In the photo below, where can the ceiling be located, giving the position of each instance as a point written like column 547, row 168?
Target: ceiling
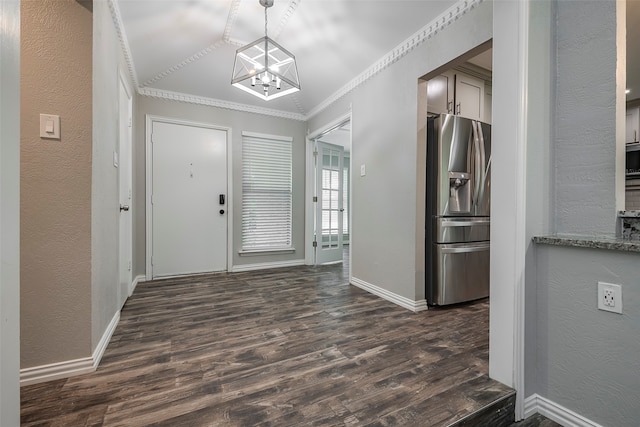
column 188, row 46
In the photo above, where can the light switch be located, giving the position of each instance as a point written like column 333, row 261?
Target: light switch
column 363, row 170
column 49, row 126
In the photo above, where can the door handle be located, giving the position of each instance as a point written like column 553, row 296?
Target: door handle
column 124, row 208
column 221, row 211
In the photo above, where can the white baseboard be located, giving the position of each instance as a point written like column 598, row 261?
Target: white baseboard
column 69, row 368
column 139, row 279
column 265, row 265
column 104, row 341
column 405, row 302
column 543, row 406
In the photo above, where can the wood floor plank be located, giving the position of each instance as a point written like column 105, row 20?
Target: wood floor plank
column 284, row 347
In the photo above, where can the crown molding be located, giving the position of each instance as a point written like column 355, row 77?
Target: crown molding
column 124, row 42
column 441, row 22
column 293, row 5
column 212, row 102
column 231, row 19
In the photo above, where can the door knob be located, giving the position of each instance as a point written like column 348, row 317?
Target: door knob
column 124, row 208
column 221, row 211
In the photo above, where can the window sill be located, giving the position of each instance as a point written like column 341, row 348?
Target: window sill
column 258, row 252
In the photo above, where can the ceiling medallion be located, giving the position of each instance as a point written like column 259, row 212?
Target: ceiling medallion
column 264, row 68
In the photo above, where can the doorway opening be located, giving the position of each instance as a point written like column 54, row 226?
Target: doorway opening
column 331, row 189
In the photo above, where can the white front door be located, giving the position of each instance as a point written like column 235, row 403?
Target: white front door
column 329, row 183
column 188, row 199
column 124, row 170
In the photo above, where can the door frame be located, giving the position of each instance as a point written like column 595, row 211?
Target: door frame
column 129, row 129
column 310, row 187
column 149, row 120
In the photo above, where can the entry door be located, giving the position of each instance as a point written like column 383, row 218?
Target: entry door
column 124, row 169
column 189, row 206
column 329, row 183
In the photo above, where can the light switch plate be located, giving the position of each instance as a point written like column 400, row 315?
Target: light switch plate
column 49, row 126
column 363, row 170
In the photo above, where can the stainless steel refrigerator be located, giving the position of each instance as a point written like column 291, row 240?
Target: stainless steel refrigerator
column 458, row 209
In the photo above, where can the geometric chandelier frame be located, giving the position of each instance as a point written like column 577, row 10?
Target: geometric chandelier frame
column 264, row 68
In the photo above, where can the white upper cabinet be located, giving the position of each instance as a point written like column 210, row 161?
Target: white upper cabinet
column 454, row 92
column 469, row 100
column 633, row 125
column 440, row 93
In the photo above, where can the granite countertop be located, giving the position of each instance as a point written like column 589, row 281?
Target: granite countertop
column 593, row 242
column 628, row 214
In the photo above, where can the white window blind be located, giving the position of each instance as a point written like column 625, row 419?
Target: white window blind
column 266, row 192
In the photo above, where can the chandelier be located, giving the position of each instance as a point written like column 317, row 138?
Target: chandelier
column 264, row 68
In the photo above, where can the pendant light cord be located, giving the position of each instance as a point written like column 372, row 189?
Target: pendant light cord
column 265, row 21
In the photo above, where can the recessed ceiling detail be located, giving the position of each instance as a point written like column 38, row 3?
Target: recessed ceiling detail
column 340, row 43
column 183, row 63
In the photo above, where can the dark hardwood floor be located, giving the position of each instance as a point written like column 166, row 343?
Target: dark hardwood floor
column 282, row 347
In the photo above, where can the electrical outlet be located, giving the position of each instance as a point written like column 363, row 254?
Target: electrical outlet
column 610, row 297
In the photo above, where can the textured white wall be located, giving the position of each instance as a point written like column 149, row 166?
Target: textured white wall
column 539, row 174
column 10, row 213
column 55, row 179
column 104, row 189
column 586, row 118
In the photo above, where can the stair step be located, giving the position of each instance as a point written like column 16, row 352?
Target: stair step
column 499, row 413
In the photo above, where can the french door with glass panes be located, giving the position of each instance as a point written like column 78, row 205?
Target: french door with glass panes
column 329, row 206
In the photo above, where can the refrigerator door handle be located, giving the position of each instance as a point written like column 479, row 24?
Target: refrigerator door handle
column 485, row 170
column 464, row 223
column 465, row 248
column 478, row 166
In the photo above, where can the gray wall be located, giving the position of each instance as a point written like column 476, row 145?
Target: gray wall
column 577, row 356
column 69, row 200
column 238, row 122
column 10, row 213
column 384, row 138
column 588, row 359
column 55, row 179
